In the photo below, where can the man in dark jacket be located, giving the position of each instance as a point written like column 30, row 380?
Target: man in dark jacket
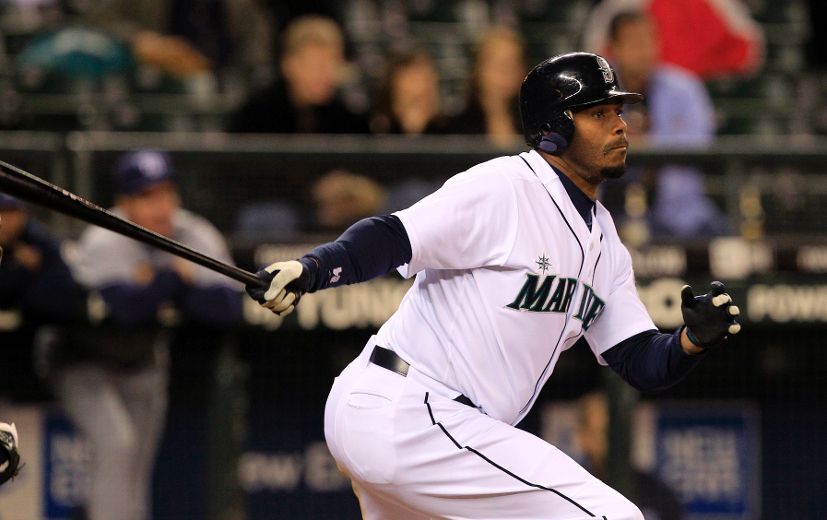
column 32, row 273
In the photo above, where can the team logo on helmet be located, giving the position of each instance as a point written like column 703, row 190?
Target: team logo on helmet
column 603, row 65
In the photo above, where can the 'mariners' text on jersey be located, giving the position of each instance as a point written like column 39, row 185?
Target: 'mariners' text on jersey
column 553, row 294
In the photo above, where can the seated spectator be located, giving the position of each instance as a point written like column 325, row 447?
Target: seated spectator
column 492, row 103
column 88, row 64
column 409, row 96
column 341, row 198
column 676, row 111
column 185, row 39
column 337, row 199
column 304, row 99
column 711, row 38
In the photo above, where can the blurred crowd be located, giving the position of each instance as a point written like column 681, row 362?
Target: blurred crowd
column 373, row 67
column 323, row 67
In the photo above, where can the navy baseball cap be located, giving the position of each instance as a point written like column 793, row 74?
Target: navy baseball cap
column 9, row 202
column 138, row 171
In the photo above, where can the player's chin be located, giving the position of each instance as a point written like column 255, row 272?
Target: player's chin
column 613, row 172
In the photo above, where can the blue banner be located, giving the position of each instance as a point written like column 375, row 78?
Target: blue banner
column 66, row 462
column 710, row 455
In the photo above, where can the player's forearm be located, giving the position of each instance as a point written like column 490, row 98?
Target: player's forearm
column 651, row 360
column 369, row 248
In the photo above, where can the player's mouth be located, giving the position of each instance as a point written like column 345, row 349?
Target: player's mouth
column 623, row 146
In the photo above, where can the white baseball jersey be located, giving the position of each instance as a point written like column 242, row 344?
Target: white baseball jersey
column 509, row 276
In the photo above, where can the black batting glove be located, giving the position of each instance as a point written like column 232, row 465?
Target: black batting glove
column 709, row 318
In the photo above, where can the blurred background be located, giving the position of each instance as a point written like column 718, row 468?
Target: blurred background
column 284, row 122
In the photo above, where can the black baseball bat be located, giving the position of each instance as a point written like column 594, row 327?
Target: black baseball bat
column 31, row 188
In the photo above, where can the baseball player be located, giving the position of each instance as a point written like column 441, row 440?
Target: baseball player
column 514, row 262
column 113, row 384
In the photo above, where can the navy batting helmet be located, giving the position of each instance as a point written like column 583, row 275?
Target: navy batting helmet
column 558, row 85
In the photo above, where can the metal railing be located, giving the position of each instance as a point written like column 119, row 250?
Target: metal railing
column 767, row 187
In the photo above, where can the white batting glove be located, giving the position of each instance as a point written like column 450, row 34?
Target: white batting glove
column 279, row 298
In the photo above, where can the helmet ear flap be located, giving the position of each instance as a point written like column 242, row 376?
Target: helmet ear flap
column 556, row 135
column 553, row 143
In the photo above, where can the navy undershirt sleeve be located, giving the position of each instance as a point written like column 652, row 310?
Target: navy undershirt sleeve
column 369, row 248
column 651, row 360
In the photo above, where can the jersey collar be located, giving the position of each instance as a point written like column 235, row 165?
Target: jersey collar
column 582, row 203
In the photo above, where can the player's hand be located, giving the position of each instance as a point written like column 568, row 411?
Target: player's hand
column 709, row 318
column 283, row 294
column 9, row 456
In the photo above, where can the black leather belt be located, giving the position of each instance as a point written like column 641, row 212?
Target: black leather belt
column 389, row 360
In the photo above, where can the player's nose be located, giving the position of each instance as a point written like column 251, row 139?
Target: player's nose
column 620, row 126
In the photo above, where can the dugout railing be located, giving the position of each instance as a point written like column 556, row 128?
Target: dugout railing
column 776, row 180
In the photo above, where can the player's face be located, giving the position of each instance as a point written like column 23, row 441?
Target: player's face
column 153, row 208
column 599, row 146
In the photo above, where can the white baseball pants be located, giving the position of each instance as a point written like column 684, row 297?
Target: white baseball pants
column 412, row 452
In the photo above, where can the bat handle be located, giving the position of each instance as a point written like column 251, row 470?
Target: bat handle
column 236, row 273
column 260, row 283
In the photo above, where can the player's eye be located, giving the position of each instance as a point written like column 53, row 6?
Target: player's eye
column 598, row 115
column 619, row 112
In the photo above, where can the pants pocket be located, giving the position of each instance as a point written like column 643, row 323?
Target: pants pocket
column 367, row 437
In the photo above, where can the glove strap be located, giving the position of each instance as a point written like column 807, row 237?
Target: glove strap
column 693, row 338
